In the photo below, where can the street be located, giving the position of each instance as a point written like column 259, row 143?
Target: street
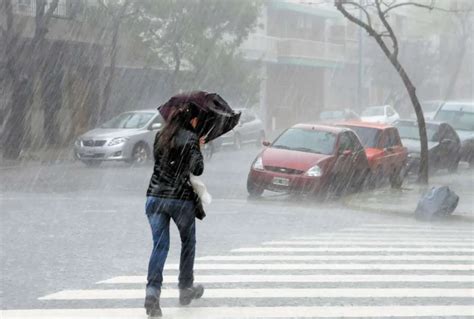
column 75, row 242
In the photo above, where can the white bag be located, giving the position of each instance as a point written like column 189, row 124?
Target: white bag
column 200, row 189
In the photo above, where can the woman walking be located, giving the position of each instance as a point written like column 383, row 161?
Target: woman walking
column 171, row 196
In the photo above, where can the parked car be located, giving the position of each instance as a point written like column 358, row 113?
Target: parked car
column 338, row 115
column 249, row 130
column 430, row 108
column 381, row 114
column 443, row 145
column 386, row 154
column 460, row 115
column 127, row 137
column 309, row 158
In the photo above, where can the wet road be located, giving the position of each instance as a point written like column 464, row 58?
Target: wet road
column 66, row 228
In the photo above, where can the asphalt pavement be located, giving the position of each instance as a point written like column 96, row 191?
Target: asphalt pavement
column 75, row 243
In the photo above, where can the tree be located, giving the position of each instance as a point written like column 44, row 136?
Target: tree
column 24, row 63
column 190, row 38
column 117, row 12
column 385, row 37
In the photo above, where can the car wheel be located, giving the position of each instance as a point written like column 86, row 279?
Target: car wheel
column 260, row 139
column 254, row 190
column 140, row 154
column 237, row 142
column 91, row 163
column 375, row 179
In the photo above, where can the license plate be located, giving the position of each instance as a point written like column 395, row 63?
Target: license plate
column 281, row 181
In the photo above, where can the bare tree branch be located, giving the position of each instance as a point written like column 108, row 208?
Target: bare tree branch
column 420, row 5
column 367, row 27
column 362, row 8
column 391, row 34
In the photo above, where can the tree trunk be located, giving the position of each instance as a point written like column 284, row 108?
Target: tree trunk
column 423, row 172
column 110, row 74
column 113, row 61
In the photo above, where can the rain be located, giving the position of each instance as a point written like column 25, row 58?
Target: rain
column 236, row 158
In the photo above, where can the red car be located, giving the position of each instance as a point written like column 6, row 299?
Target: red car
column 309, row 158
column 385, row 152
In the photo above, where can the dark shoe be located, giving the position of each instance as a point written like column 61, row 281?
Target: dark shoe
column 188, row 294
column 152, row 306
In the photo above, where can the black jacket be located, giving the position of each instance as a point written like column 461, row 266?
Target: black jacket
column 173, row 166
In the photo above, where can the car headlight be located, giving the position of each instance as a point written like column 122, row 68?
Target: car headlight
column 258, row 165
column 314, row 171
column 78, row 142
column 117, row 141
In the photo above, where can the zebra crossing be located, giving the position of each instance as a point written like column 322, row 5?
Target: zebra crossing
column 371, row 271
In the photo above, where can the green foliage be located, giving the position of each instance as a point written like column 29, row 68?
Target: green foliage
column 198, row 41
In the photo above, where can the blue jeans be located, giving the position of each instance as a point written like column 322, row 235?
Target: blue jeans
column 159, row 211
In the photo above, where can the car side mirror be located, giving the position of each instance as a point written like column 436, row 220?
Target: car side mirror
column 346, row 153
column 266, row 143
column 156, row 126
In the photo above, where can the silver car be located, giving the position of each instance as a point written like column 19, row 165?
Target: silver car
column 249, row 130
column 128, row 137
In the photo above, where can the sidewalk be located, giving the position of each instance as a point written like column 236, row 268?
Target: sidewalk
column 41, row 157
column 404, row 201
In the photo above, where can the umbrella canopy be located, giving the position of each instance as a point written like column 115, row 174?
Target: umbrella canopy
column 216, row 116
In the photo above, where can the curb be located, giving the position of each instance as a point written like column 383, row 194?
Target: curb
column 349, row 203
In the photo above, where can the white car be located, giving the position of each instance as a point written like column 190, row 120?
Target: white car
column 128, row 137
column 380, row 114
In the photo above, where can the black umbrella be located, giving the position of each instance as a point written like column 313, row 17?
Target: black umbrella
column 216, row 116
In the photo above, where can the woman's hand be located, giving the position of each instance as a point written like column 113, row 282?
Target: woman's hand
column 202, row 141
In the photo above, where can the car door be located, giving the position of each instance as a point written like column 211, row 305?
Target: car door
column 345, row 156
column 394, row 152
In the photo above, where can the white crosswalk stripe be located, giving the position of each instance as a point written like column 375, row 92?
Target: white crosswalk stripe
column 372, row 271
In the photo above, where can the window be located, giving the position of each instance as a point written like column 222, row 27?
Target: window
column 355, row 144
column 391, row 138
column 390, row 111
column 305, row 140
column 370, row 137
column 158, row 119
column 373, row 111
column 345, row 143
column 129, row 120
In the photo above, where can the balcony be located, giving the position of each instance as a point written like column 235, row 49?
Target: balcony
column 284, row 50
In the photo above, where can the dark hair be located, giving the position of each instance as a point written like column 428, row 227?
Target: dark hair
column 179, row 118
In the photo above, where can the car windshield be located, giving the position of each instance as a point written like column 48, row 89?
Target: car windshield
column 459, row 120
column 129, row 120
column 304, row 140
column 409, row 130
column 374, row 111
column 331, row 115
column 368, row 136
column 430, row 106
